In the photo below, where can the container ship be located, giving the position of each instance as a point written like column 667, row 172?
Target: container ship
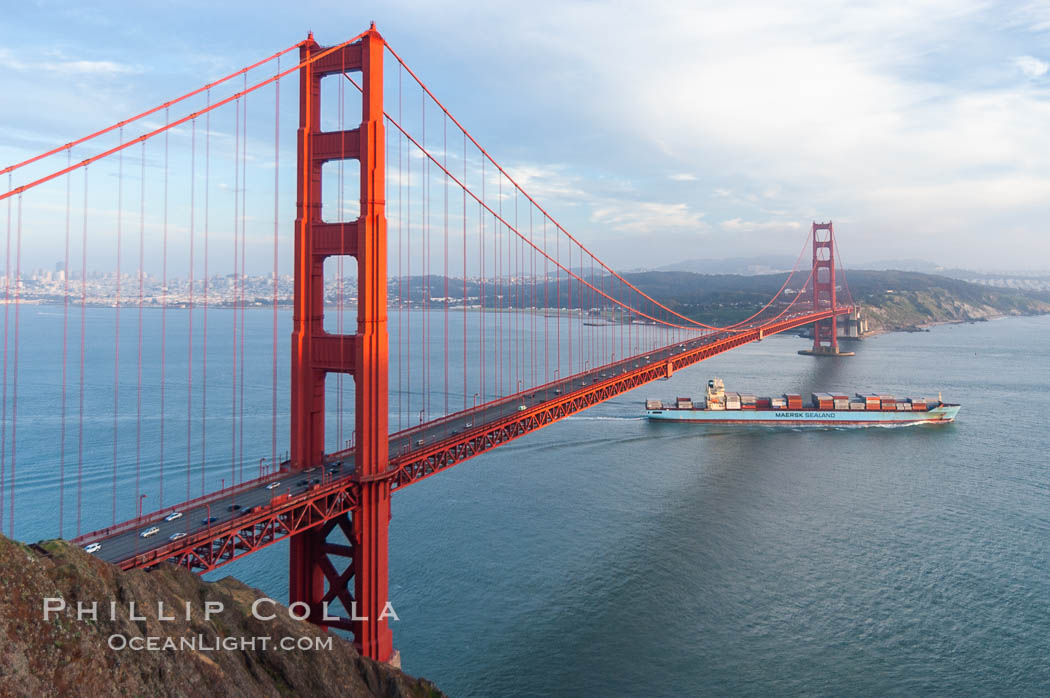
column 824, row 409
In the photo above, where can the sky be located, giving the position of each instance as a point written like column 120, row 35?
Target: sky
column 655, row 131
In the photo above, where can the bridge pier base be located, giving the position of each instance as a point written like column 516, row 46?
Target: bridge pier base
column 825, row 352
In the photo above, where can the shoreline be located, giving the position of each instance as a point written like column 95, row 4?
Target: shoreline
column 936, row 323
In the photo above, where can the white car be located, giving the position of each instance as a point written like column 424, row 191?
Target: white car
column 273, row 485
column 173, row 515
column 176, row 536
column 151, row 531
column 92, row 547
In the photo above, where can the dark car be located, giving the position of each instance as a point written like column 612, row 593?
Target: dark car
column 315, row 481
column 233, row 507
column 208, row 521
column 247, row 510
column 302, row 482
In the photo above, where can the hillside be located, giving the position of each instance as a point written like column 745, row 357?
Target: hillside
column 74, row 657
column 895, row 300
column 898, row 300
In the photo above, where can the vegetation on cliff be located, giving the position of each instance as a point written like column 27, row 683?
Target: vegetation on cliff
column 67, row 655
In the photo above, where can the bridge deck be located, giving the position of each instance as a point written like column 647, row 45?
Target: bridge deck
column 262, row 511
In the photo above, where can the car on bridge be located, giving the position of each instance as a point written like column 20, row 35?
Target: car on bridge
column 151, row 531
column 173, row 515
column 209, row 520
column 273, row 485
column 92, row 547
column 177, row 535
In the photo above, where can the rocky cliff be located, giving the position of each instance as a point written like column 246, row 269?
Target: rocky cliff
column 896, row 300
column 230, row 653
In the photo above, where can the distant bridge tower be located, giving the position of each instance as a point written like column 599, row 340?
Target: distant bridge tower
column 359, row 581
column 825, row 332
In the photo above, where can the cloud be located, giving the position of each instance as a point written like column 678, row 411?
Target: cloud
column 1031, row 66
column 685, row 177
column 737, row 225
column 834, row 110
column 548, row 182
column 647, row 217
column 71, row 67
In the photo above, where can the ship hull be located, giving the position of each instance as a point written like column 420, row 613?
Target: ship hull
column 941, row 414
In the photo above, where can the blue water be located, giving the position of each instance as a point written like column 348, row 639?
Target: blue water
column 606, row 555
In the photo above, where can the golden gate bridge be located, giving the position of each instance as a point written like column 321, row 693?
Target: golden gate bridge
column 477, row 319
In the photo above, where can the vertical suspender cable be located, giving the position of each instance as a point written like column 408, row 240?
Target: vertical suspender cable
column 138, row 367
column 408, row 278
column 65, row 353
column 7, row 306
column 572, row 325
column 244, row 274
column 532, row 305
column 276, row 220
column 497, row 253
column 14, row 379
column 163, row 309
column 444, row 151
column 189, row 310
column 424, row 210
column 400, row 252
column 466, row 362
column 204, row 293
column 116, row 320
column 83, row 344
column 236, row 261
column 481, row 255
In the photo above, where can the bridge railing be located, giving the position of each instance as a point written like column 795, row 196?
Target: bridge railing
column 152, row 516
